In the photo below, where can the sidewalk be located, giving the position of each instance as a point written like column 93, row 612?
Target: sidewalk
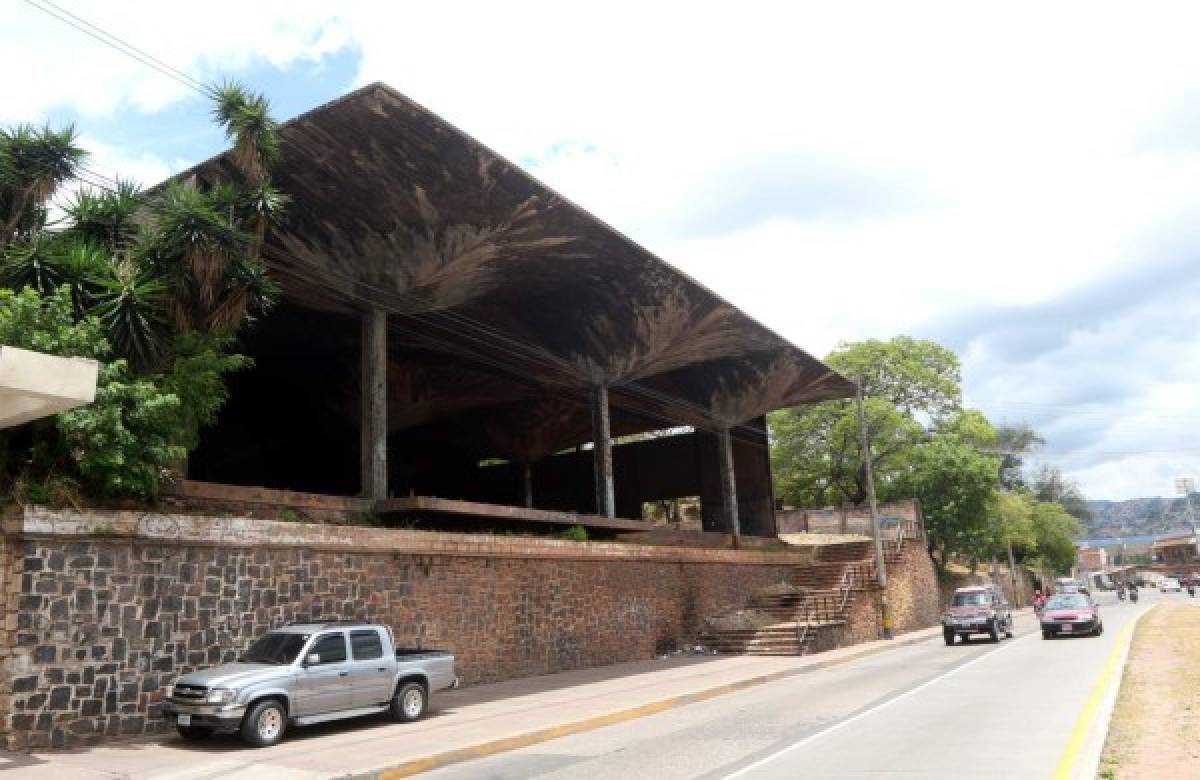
column 463, row 724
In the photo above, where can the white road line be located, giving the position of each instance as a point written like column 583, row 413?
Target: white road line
column 813, row 737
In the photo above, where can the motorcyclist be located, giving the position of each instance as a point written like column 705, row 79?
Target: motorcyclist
column 1133, row 592
column 1120, row 591
column 1039, row 601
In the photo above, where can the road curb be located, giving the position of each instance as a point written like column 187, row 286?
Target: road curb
column 1084, row 760
column 413, row 766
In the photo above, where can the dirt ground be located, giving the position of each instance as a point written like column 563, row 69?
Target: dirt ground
column 1155, row 729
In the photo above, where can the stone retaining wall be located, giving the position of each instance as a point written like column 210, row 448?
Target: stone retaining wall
column 913, row 601
column 102, row 609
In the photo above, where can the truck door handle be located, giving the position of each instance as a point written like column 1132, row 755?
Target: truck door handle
column 343, row 674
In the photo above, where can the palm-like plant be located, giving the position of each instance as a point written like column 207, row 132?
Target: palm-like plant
column 31, row 263
column 207, row 244
column 128, row 300
column 79, row 265
column 35, row 162
column 109, row 217
column 248, row 124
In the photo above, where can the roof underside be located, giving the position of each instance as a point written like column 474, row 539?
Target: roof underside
column 504, row 295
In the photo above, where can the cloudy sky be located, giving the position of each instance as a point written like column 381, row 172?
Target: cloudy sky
column 1018, row 181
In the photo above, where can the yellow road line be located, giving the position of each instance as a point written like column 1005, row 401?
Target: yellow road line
column 1070, row 754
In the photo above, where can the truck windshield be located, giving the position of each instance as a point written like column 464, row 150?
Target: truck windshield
column 280, row 648
column 976, row 599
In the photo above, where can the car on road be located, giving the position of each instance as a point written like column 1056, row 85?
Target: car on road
column 307, row 673
column 1169, row 585
column 979, row 609
column 1071, row 613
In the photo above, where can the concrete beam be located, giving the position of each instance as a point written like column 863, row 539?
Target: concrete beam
column 728, row 481
column 34, row 385
column 373, row 428
column 602, row 452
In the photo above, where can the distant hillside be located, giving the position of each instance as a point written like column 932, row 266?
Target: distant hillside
column 1139, row 516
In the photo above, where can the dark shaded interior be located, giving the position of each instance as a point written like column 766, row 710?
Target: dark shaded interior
column 506, row 305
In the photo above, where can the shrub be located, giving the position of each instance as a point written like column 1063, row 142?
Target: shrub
column 576, row 533
column 122, row 444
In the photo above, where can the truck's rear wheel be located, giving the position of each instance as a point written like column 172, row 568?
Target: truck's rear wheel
column 409, row 703
column 265, row 723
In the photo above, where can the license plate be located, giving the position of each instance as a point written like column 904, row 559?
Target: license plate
column 1066, row 629
column 185, row 720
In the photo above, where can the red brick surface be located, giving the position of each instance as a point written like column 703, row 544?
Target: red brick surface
column 104, row 608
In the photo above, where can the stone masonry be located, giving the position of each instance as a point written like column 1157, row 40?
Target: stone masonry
column 102, row 609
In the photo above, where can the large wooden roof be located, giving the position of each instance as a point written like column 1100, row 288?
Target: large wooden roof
column 504, row 293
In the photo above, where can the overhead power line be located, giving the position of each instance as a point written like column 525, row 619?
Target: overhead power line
column 118, row 43
column 459, row 324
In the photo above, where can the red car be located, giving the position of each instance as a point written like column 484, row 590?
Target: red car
column 1071, row 613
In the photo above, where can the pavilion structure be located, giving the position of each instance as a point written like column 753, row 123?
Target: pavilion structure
column 455, row 336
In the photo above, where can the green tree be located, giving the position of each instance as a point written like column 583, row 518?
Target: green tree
column 921, row 378
column 1056, row 532
column 119, row 445
column 1014, row 524
column 1013, row 444
column 908, row 383
column 956, row 486
column 1050, row 485
column 154, row 288
column 815, row 451
column 33, row 163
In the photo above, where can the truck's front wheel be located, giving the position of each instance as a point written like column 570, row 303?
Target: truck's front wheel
column 409, row 702
column 265, row 723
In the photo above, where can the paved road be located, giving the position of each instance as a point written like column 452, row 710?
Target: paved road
column 980, row 710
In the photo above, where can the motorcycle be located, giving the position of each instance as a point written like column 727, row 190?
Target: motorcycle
column 1133, row 596
column 1120, row 594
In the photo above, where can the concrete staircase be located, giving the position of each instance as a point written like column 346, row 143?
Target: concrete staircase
column 822, row 592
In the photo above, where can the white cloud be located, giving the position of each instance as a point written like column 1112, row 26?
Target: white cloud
column 52, row 66
column 838, row 170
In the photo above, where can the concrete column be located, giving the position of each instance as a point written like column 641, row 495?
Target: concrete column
column 527, row 470
column 373, row 427
column 602, row 451
column 728, row 481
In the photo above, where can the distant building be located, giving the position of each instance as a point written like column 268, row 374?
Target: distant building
column 1093, row 558
column 1175, row 548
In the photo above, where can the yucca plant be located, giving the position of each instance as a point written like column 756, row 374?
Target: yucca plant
column 129, row 301
column 35, row 161
column 247, row 120
column 107, row 217
column 79, row 266
column 31, row 263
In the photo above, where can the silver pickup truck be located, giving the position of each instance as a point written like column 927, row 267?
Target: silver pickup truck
column 308, row 673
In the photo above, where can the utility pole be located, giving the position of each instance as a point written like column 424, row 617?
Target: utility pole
column 880, row 560
column 1185, row 486
column 1012, row 570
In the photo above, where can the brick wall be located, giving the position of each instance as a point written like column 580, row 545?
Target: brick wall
column 104, row 608
column 913, row 601
column 913, row 598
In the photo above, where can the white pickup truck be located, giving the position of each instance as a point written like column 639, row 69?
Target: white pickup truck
column 307, row 673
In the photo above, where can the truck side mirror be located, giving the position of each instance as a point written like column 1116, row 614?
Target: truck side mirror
column 313, row 659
